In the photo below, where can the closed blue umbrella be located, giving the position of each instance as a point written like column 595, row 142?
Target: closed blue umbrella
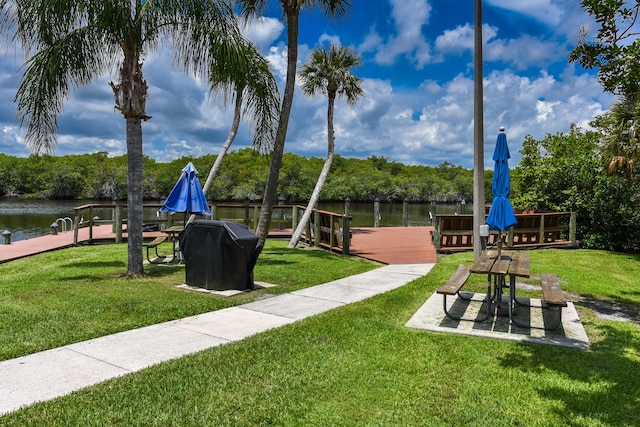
column 187, row 195
column 501, row 216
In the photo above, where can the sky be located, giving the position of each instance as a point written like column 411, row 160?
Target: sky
column 417, row 71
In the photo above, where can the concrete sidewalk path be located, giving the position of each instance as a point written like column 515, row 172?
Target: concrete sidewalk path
column 57, row 372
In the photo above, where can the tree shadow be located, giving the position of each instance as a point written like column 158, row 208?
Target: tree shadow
column 96, row 264
column 603, row 386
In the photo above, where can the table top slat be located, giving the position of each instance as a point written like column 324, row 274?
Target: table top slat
column 483, row 265
column 501, row 267
column 520, row 265
column 489, row 264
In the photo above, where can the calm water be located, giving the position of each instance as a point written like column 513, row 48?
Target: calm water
column 33, row 218
column 26, row 219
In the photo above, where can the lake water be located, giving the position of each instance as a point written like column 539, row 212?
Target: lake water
column 26, row 219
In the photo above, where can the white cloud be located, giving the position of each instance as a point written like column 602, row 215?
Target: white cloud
column 457, row 40
column 442, row 128
column 523, row 52
column 409, row 16
column 277, row 57
column 263, row 31
column 545, row 109
column 546, row 11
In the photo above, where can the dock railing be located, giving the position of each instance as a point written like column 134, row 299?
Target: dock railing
column 326, row 229
column 455, row 232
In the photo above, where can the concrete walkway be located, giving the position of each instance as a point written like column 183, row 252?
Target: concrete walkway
column 53, row 373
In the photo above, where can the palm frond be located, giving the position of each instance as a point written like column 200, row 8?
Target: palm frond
column 329, row 70
column 620, row 165
column 65, row 57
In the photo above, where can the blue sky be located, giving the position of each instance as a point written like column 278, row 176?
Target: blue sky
column 418, row 77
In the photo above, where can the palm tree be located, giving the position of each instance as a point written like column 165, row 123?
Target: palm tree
column 69, row 43
column 291, row 10
column 621, row 128
column 261, row 99
column 328, row 72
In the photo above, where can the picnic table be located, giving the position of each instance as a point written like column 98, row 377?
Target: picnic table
column 497, row 265
column 172, row 233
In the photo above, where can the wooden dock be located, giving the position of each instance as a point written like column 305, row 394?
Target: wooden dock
column 36, row 245
column 388, row 245
column 394, row 245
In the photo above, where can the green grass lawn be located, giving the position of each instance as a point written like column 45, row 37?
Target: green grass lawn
column 359, row 365
column 75, row 294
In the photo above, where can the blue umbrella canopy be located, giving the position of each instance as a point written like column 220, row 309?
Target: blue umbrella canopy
column 187, row 195
column 501, row 216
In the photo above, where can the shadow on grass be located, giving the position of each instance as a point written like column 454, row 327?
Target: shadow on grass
column 163, row 270
column 604, row 383
column 95, row 264
column 617, row 307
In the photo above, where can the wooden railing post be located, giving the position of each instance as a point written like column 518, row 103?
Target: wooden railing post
column 405, row 213
column 246, row 212
column 332, row 233
column 346, row 234
column 163, row 219
column 214, row 211
column 76, row 224
column 310, row 224
column 294, row 217
column 572, row 227
column 376, row 213
column 255, row 217
column 118, row 222
column 541, row 238
column 437, row 237
column 90, row 223
column 317, row 228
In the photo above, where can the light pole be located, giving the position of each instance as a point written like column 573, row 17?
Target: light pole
column 478, row 133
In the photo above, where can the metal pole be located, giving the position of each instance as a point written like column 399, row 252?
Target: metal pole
column 478, row 134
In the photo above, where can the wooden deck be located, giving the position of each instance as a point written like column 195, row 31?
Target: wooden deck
column 388, row 245
column 24, row 248
column 394, row 245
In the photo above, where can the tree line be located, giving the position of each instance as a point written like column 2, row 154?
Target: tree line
column 242, row 176
column 560, row 172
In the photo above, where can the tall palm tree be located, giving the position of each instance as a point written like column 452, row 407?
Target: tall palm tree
column 291, row 10
column 328, row 72
column 258, row 94
column 69, row 43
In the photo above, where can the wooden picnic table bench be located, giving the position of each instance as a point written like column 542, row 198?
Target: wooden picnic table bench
column 552, row 298
column 453, row 286
column 154, row 245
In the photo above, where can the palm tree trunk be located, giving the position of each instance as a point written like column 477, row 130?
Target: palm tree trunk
column 130, row 98
column 312, row 202
column 135, row 173
column 271, row 188
column 225, row 147
column 321, row 179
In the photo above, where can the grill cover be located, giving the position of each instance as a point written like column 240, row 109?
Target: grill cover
column 219, row 255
